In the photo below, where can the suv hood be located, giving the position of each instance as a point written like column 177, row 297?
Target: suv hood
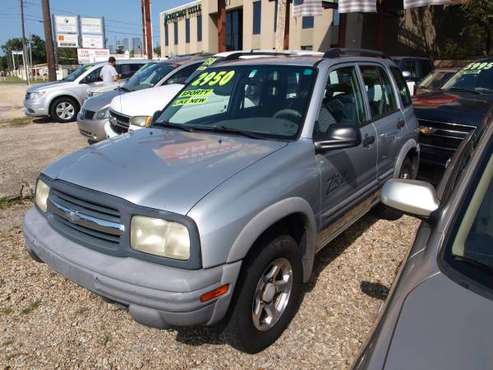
column 49, row 85
column 145, row 102
column 453, row 107
column 161, row 168
column 100, row 101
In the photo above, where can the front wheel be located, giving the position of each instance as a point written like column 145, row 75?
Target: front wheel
column 268, row 295
column 64, row 110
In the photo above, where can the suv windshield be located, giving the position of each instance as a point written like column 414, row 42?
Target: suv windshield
column 148, row 76
column 78, row 72
column 475, row 77
column 261, row 100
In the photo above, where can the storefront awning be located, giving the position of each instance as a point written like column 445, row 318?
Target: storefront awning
column 370, row 6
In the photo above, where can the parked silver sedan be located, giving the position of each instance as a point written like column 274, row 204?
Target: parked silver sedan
column 438, row 314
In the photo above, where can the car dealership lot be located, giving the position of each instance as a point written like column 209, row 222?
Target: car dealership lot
column 47, row 321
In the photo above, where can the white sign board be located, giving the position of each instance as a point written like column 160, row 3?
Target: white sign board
column 64, row 24
column 65, row 40
column 92, row 55
column 91, row 25
column 92, row 41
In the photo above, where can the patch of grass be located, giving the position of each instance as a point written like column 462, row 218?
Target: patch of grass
column 17, row 80
column 7, row 202
column 18, row 121
column 7, row 343
column 6, row 311
column 27, row 310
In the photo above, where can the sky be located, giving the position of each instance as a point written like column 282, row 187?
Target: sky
column 122, row 17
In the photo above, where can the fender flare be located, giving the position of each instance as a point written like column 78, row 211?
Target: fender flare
column 64, row 95
column 268, row 217
column 406, row 148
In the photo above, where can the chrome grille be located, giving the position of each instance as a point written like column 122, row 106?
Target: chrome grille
column 90, row 223
column 119, row 123
column 446, row 136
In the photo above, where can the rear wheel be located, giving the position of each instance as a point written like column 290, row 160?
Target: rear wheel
column 64, row 109
column 268, row 295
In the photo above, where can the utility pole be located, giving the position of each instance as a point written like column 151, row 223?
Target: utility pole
column 24, row 49
column 147, row 27
column 50, row 50
column 221, row 25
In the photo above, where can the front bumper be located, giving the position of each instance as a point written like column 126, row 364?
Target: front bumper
column 156, row 295
column 93, row 129
column 111, row 133
column 36, row 108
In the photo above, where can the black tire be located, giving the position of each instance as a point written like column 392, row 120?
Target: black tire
column 64, row 109
column 240, row 331
column 409, row 170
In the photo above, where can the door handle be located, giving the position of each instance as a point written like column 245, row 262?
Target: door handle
column 401, row 124
column 368, row 140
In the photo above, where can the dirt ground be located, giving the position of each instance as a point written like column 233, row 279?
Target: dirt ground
column 27, row 145
column 46, row 321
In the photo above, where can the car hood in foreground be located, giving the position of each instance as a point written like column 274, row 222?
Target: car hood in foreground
column 442, row 325
column 453, row 107
column 163, row 169
column 100, row 101
column 145, row 102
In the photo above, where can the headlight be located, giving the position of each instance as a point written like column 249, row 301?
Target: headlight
column 37, row 94
column 160, row 237
column 42, row 192
column 103, row 113
column 142, row 121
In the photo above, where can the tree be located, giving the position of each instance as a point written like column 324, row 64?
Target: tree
column 157, row 50
column 479, row 14
column 67, row 55
column 37, row 48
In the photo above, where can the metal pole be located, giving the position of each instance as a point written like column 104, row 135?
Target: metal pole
column 24, row 49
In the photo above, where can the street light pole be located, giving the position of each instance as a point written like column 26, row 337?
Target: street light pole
column 24, row 49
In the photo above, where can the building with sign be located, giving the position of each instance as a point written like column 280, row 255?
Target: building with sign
column 250, row 24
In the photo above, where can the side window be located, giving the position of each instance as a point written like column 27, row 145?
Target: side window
column 343, row 102
column 124, row 70
column 379, row 91
column 402, row 86
column 93, row 76
column 182, row 75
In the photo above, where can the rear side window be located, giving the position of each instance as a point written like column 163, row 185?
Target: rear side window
column 182, row 75
column 379, row 91
column 402, row 86
column 127, row 70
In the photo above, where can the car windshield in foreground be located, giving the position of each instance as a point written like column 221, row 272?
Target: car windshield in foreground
column 78, row 72
column 475, row 77
column 255, row 101
column 148, row 76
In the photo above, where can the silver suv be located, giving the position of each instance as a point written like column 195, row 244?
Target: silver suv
column 216, row 212
column 61, row 100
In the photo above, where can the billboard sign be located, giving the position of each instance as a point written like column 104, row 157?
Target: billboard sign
column 93, row 41
column 66, row 24
column 92, row 55
column 67, row 40
column 91, row 26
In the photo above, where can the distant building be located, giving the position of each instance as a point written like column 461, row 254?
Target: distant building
column 136, row 45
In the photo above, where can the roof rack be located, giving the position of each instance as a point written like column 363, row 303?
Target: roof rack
column 239, row 54
column 340, row 52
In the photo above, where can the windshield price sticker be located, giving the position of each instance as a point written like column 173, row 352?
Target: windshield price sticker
column 478, row 67
column 193, row 97
column 206, row 63
column 220, row 78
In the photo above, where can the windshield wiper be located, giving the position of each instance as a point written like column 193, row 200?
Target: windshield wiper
column 464, row 90
column 175, row 126
column 474, row 262
column 230, row 130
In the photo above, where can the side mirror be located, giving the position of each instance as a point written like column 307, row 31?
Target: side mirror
column 417, row 198
column 406, row 75
column 339, row 137
column 155, row 116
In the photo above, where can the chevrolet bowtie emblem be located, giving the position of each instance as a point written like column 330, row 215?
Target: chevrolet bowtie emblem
column 74, row 216
column 426, row 130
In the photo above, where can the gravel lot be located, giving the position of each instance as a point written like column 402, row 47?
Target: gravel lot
column 47, row 321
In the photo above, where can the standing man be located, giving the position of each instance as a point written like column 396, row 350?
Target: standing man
column 108, row 73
